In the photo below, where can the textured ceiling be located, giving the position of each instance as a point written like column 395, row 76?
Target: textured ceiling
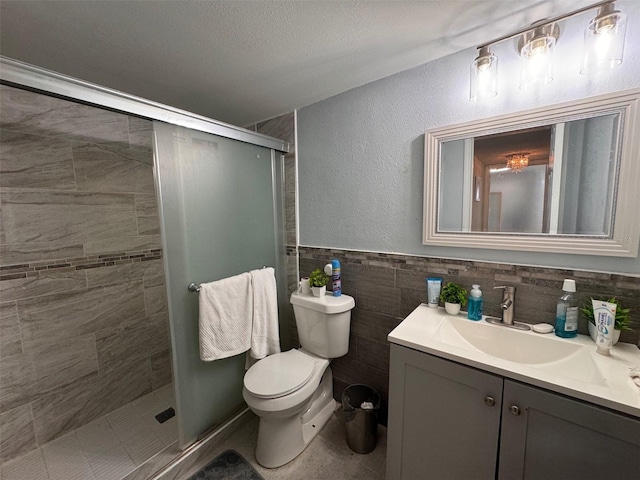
column 245, row 61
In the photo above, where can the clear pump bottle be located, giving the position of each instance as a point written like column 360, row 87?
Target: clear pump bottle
column 567, row 311
column 474, row 311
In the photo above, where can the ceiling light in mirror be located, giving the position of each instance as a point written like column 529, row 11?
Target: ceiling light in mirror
column 517, row 161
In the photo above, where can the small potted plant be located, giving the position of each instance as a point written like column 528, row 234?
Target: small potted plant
column 454, row 297
column 318, row 281
column 623, row 318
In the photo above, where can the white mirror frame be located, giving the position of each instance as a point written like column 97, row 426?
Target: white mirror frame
column 624, row 240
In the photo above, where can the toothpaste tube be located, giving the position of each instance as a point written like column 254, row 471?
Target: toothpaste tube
column 604, row 314
column 434, row 285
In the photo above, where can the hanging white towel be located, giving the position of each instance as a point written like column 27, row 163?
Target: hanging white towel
column 265, row 338
column 226, row 310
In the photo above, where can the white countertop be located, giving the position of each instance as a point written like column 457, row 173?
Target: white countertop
column 612, row 386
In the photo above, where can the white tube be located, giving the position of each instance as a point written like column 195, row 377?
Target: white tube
column 604, row 313
column 434, row 285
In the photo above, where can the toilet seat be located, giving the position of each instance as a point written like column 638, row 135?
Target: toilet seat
column 280, row 374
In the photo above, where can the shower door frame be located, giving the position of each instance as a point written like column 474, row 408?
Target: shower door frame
column 21, row 74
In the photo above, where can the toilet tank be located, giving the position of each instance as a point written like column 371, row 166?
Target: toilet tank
column 323, row 323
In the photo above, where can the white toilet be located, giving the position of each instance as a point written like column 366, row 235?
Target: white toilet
column 292, row 392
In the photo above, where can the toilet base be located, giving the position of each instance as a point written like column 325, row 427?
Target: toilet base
column 280, row 440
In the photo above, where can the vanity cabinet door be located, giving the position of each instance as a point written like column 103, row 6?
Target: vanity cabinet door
column 444, row 419
column 548, row 436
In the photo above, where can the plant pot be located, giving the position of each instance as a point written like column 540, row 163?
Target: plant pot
column 319, row 291
column 452, row 308
column 593, row 333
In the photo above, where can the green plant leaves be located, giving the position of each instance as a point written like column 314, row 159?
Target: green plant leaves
column 453, row 293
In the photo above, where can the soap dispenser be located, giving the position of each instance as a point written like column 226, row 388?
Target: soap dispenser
column 567, row 311
column 475, row 303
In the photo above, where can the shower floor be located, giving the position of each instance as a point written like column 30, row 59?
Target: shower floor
column 108, row 448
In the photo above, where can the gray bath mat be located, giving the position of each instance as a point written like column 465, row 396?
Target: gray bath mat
column 229, row 465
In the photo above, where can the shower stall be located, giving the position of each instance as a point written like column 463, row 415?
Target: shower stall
column 110, row 206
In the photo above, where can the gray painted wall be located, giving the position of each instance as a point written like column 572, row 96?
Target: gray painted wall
column 361, row 153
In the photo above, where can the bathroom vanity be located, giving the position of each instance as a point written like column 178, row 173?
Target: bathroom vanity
column 473, row 400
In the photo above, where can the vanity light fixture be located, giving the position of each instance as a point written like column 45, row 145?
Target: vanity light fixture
column 517, row 161
column 604, row 40
column 604, row 47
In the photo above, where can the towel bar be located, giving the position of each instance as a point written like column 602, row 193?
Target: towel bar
column 193, row 287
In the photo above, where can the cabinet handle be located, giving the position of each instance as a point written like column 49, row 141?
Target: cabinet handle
column 489, row 401
column 514, row 410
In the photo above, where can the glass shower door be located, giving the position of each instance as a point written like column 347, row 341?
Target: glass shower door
column 220, row 208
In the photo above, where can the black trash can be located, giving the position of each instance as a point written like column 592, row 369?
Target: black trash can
column 360, row 405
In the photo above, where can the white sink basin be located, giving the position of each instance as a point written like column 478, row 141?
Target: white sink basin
column 502, row 342
column 536, row 350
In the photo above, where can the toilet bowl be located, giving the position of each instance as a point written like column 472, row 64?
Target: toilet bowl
column 287, row 421
column 292, row 392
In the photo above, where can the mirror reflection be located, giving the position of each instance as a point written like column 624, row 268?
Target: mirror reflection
column 557, row 179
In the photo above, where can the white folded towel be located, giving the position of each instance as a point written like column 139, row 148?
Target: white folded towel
column 226, row 310
column 265, row 337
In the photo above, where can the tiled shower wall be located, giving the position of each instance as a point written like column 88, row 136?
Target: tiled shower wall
column 388, row 287
column 83, row 316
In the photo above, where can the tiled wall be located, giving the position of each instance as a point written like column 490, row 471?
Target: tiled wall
column 283, row 127
column 388, row 287
column 83, row 318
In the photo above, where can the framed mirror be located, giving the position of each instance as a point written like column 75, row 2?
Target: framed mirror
column 563, row 179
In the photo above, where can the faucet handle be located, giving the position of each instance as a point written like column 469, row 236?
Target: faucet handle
column 506, row 288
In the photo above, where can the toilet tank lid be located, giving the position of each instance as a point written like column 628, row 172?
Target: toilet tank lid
column 325, row 304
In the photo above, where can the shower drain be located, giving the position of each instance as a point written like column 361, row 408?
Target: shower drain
column 165, row 415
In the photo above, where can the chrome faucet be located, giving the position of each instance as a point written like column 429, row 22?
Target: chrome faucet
column 507, row 306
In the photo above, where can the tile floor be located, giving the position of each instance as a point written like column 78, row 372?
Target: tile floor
column 113, row 446
column 327, row 457
column 106, row 449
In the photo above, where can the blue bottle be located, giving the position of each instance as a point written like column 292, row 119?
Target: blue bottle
column 474, row 312
column 567, row 311
column 336, row 278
